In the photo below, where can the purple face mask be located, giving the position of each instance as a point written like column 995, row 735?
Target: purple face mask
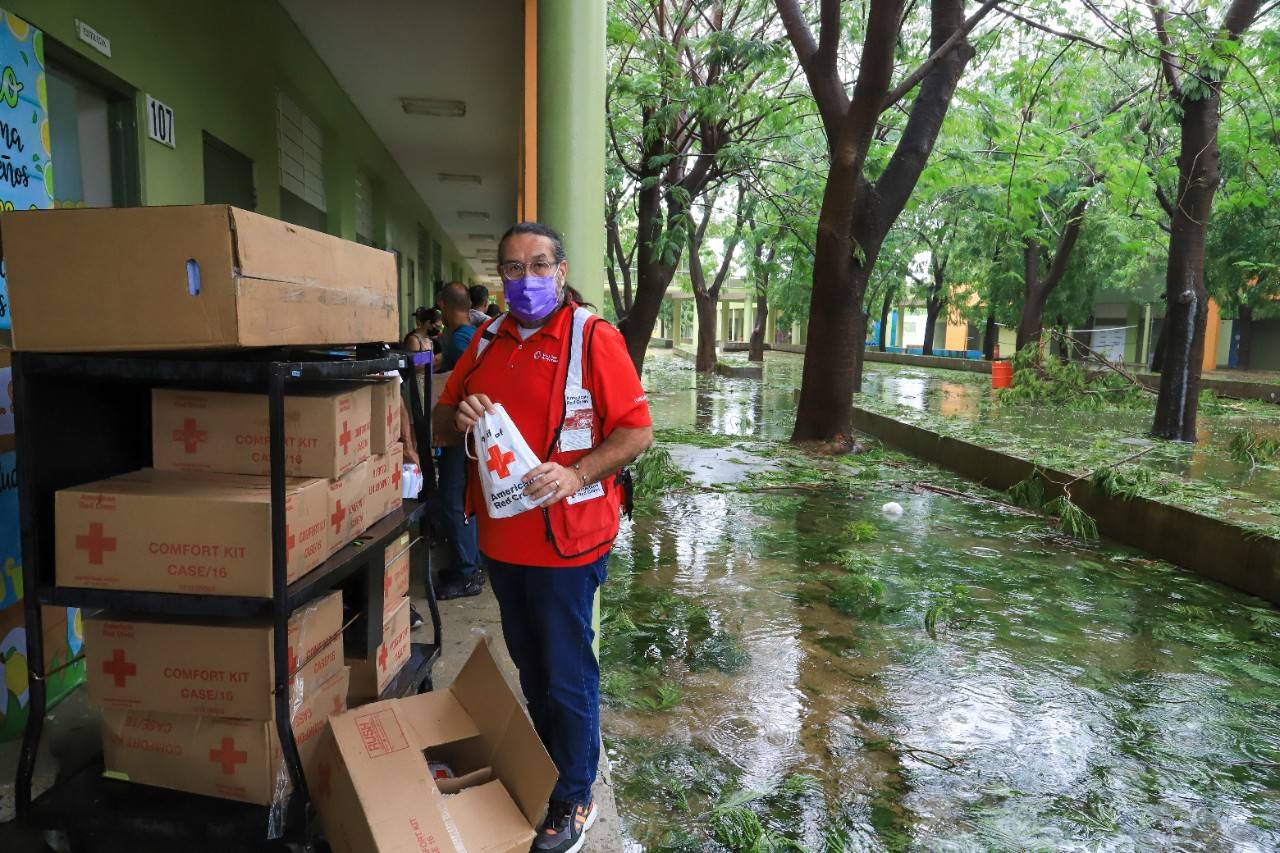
column 532, row 298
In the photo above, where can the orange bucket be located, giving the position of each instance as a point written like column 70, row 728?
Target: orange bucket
column 1001, row 374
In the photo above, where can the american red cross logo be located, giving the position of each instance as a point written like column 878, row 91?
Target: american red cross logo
column 289, row 539
column 95, row 543
column 293, row 660
column 344, row 438
column 499, row 460
column 119, row 668
column 190, row 435
column 228, row 756
column 382, row 657
column 391, row 416
column 386, row 584
column 395, row 478
column 336, row 519
column 324, row 788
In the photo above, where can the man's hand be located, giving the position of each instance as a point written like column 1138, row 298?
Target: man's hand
column 470, row 410
column 551, row 479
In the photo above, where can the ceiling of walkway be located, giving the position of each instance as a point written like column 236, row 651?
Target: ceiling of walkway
column 459, row 50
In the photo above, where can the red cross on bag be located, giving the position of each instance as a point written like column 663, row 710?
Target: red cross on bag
column 503, row 458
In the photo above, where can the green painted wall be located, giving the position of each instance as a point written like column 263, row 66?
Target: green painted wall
column 218, row 65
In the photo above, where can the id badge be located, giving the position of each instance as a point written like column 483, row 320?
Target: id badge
column 579, row 420
column 595, row 490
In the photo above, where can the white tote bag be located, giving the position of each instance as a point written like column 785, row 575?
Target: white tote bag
column 503, row 458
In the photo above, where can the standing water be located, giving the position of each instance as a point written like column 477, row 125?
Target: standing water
column 785, row 664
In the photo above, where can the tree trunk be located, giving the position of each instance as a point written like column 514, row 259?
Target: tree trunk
column 1185, row 294
column 758, row 330
column 706, row 359
column 933, row 304
column 833, row 354
column 1244, row 349
column 1031, row 323
column 854, row 211
column 884, row 317
column 990, row 337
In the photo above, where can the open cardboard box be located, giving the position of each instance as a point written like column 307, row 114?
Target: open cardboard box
column 374, row 791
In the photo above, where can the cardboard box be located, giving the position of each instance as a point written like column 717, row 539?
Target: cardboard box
column 395, row 582
column 165, row 531
column 374, row 792
column 385, row 417
column 347, row 500
column 216, row 670
column 370, row 677
column 217, row 756
column 326, row 435
column 153, row 278
column 384, row 494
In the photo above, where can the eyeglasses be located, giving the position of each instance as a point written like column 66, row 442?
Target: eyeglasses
column 514, row 270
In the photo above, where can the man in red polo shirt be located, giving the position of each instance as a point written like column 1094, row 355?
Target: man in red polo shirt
column 566, row 380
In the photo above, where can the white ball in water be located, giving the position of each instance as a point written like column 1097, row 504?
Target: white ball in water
column 892, row 509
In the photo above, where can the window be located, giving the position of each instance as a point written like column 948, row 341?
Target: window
column 301, row 147
column 364, row 209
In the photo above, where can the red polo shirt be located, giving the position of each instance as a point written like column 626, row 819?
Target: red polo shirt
column 520, row 374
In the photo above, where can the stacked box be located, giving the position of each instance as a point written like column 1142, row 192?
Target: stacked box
column 395, row 581
column 346, row 507
column 190, row 532
column 370, row 677
column 385, row 494
column 190, row 706
column 326, row 434
column 385, row 414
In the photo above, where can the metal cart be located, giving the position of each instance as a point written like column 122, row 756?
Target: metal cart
column 86, row 417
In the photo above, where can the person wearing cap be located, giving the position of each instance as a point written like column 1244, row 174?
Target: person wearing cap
column 565, row 379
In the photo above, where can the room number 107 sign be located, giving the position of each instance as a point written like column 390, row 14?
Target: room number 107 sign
column 159, row 122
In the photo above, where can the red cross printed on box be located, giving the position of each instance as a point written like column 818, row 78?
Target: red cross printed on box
column 395, row 478
column 190, row 435
column 95, row 543
column 293, row 660
column 344, row 438
column 336, row 519
column 391, row 416
column 118, row 668
column 289, row 539
column 324, row 788
column 499, row 460
column 386, row 583
column 228, row 756
column 382, row 657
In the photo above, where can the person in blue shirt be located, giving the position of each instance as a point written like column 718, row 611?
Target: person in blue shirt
column 464, row 577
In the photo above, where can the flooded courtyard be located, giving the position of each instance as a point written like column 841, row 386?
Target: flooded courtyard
column 790, row 664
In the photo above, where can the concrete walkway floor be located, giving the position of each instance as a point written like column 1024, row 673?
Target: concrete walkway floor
column 467, row 620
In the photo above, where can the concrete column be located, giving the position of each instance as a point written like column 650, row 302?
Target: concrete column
column 571, row 133
column 1146, row 334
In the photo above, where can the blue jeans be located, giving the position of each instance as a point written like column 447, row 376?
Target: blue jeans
column 546, row 622
column 453, row 481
